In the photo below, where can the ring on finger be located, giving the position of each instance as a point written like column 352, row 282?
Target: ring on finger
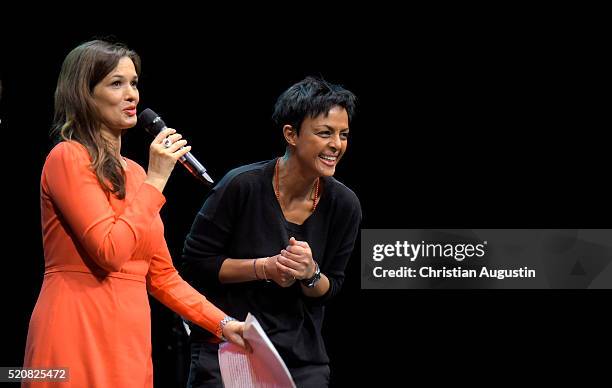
column 167, row 143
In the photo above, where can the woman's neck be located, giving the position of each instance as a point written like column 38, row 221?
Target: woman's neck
column 114, row 139
column 294, row 182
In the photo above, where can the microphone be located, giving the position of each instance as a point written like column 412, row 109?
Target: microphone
column 153, row 124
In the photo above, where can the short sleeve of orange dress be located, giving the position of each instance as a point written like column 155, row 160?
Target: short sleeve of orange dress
column 102, row 254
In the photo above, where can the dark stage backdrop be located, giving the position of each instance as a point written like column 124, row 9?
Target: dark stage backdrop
column 453, row 130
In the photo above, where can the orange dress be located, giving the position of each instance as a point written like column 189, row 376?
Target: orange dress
column 102, row 255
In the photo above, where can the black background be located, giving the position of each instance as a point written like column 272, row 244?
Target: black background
column 459, row 125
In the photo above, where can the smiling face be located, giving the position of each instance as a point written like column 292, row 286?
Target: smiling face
column 321, row 142
column 116, row 97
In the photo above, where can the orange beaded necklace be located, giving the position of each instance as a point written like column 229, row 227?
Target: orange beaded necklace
column 277, row 190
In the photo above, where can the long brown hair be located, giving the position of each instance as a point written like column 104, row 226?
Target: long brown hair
column 76, row 116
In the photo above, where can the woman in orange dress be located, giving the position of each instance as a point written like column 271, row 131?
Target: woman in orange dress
column 103, row 237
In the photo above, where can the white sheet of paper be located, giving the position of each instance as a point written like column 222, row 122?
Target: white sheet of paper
column 262, row 368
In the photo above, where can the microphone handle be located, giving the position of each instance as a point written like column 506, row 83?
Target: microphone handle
column 193, row 166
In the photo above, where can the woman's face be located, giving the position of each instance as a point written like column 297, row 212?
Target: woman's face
column 116, row 97
column 323, row 140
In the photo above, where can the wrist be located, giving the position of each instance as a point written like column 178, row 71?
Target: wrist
column 157, row 182
column 227, row 319
column 265, row 272
column 255, row 269
column 312, row 281
column 313, row 272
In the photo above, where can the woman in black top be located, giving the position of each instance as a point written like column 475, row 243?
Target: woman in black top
column 274, row 237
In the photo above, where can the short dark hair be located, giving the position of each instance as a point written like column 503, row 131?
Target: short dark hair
column 309, row 98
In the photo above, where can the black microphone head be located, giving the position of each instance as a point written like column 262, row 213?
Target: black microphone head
column 151, row 121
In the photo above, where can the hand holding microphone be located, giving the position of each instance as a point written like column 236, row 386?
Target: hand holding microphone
column 166, row 149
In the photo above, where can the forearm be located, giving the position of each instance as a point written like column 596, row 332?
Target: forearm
column 164, row 283
column 110, row 240
column 157, row 181
column 320, row 288
column 240, row 270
